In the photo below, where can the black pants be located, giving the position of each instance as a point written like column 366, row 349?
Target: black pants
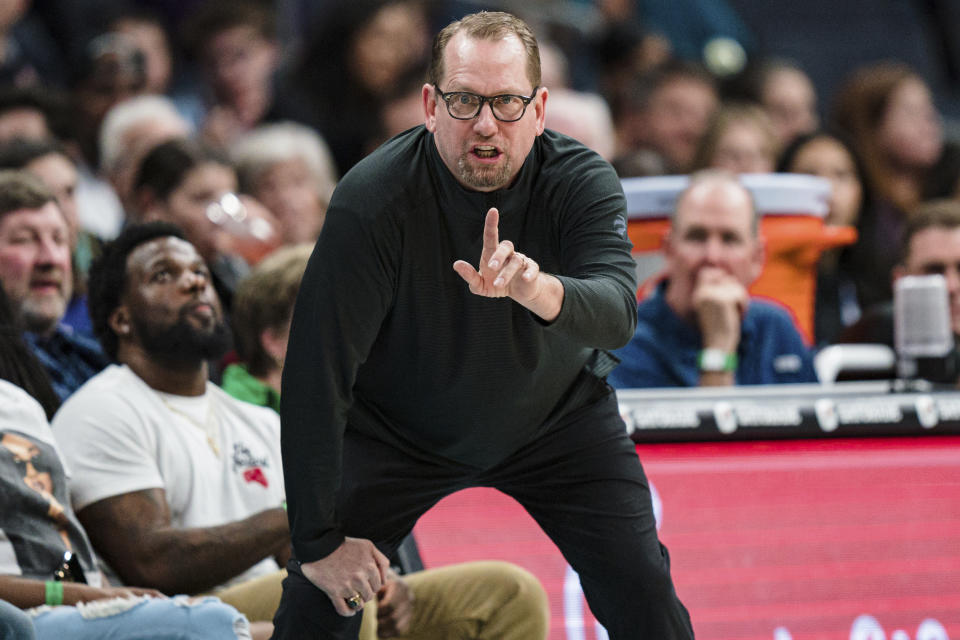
column 581, row 482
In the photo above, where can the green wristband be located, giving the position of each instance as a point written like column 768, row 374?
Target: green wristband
column 54, row 592
column 284, row 505
column 717, row 361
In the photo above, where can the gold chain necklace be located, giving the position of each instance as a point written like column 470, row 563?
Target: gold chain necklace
column 208, row 426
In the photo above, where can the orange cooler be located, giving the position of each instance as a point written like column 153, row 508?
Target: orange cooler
column 792, row 208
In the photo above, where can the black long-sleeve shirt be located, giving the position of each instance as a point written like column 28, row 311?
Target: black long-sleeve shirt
column 388, row 340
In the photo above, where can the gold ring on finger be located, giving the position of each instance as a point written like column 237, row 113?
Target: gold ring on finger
column 355, row 601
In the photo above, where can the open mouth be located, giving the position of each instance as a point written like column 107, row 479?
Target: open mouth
column 45, row 285
column 486, row 152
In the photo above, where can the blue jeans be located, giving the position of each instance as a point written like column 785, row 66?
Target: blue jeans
column 14, row 623
column 164, row 618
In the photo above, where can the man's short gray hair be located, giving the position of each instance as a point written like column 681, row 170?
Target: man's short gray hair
column 130, row 113
column 20, row 189
column 269, row 144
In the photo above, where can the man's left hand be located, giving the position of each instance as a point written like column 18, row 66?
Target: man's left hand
column 394, row 607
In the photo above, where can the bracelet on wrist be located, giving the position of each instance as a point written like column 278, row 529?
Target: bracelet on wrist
column 717, row 361
column 53, row 592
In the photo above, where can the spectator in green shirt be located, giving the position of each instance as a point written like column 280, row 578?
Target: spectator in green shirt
column 261, row 324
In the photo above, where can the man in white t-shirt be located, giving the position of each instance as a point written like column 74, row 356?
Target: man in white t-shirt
column 178, row 485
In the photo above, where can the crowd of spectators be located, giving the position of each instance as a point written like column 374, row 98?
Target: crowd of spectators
column 234, row 120
column 647, row 95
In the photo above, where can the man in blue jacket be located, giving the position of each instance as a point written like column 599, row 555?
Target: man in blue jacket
column 701, row 327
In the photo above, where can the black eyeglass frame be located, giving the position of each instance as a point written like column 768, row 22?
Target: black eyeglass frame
column 526, row 100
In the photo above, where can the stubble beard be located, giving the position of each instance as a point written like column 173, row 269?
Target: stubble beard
column 40, row 313
column 483, row 177
column 41, row 316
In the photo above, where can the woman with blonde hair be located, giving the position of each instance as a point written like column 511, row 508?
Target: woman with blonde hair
column 740, row 138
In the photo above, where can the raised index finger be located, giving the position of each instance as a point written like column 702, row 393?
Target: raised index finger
column 491, row 232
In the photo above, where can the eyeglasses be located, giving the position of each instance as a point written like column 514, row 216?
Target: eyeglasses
column 69, row 569
column 506, row 107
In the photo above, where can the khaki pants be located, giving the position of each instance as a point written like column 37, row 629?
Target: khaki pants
column 488, row 600
column 258, row 598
